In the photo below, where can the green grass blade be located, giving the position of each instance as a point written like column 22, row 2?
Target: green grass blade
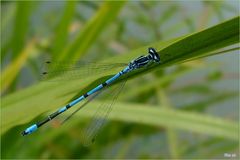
column 107, row 13
column 216, row 37
column 23, row 13
column 170, row 132
column 7, row 16
column 61, row 34
column 155, row 116
column 10, row 73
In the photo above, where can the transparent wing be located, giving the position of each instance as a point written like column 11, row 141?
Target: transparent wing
column 100, row 117
column 65, row 70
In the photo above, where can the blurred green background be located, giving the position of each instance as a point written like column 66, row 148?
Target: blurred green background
column 187, row 110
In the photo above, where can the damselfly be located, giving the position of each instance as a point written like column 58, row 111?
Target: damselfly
column 135, row 64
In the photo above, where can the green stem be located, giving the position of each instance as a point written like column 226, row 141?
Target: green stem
column 171, row 133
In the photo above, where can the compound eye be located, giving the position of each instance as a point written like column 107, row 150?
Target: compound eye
column 154, row 55
column 151, row 50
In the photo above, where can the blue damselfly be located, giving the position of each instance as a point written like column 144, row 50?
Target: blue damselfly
column 102, row 112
